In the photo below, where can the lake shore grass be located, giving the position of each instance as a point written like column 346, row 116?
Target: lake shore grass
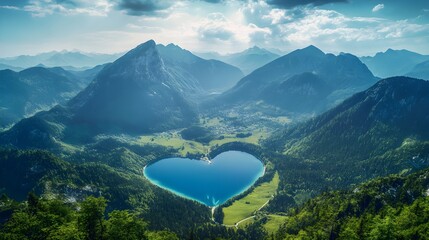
column 254, row 201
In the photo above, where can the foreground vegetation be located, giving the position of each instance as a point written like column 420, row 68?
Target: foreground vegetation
column 388, row 208
column 49, row 176
column 55, row 219
column 394, row 207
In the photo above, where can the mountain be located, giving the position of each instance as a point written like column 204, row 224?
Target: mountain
column 421, row 70
column 301, row 91
column 209, row 55
column 63, row 58
column 247, row 61
column 87, row 75
column 393, row 62
column 34, row 89
column 210, row 75
column 4, row 67
column 376, row 132
column 251, row 59
column 135, row 94
column 302, row 78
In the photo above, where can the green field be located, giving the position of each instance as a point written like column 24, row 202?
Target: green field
column 253, row 139
column 175, row 140
column 273, row 223
column 246, row 206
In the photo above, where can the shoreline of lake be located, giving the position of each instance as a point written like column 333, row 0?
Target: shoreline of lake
column 211, row 200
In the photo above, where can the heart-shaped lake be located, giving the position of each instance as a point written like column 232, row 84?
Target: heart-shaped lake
column 211, row 183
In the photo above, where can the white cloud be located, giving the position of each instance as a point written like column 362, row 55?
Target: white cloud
column 329, row 29
column 218, row 28
column 277, row 16
column 377, row 7
column 232, row 26
column 10, row 7
column 325, row 25
column 41, row 8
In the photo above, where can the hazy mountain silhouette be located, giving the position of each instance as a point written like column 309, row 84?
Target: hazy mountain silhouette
column 34, row 89
column 63, row 58
column 393, row 62
column 247, row 60
column 209, row 75
column 421, row 70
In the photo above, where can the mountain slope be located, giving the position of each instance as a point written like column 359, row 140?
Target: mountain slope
column 210, row 75
column 41, row 172
column 5, row 66
column 133, row 95
column 376, row 132
column 301, row 91
column 393, row 62
column 86, row 76
column 342, row 73
column 421, row 70
column 34, row 89
column 250, row 59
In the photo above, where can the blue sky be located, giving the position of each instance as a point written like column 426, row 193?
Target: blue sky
column 361, row 27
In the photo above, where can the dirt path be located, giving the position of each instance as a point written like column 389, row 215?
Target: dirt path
column 245, row 219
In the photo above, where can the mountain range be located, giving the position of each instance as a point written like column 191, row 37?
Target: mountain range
column 247, row 60
column 393, row 62
column 304, row 81
column 5, row 66
column 209, row 75
column 421, row 71
column 158, row 101
column 375, row 132
column 60, row 59
column 24, row 93
column 141, row 92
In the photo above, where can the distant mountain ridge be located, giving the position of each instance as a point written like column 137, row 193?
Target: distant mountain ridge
column 421, row 70
column 310, row 75
column 5, row 66
column 60, row 59
column 209, row 75
column 393, row 62
column 247, row 60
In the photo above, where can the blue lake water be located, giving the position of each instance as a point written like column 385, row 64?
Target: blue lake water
column 229, row 174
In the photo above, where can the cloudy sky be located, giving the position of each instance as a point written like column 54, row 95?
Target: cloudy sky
column 361, row 27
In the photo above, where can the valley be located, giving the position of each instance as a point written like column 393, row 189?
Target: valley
column 241, row 120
